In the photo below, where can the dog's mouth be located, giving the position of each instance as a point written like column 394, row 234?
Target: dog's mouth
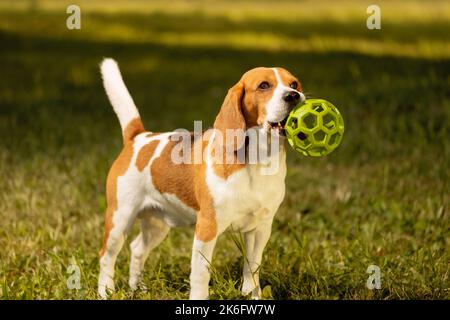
column 278, row 126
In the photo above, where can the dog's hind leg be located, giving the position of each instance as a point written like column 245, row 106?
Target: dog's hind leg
column 153, row 232
column 115, row 236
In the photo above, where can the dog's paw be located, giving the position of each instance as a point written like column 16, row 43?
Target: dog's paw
column 196, row 294
column 104, row 292
column 249, row 287
column 105, row 287
column 137, row 284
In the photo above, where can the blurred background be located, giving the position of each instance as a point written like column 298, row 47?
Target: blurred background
column 381, row 198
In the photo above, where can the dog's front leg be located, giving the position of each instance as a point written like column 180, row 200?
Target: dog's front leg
column 202, row 253
column 255, row 242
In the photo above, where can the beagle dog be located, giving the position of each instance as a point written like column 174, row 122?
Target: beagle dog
column 145, row 183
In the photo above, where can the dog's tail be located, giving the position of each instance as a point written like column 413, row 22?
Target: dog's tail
column 121, row 101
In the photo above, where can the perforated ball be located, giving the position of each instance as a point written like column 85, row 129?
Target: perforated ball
column 314, row 128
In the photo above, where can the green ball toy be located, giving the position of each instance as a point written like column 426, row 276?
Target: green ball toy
column 314, row 128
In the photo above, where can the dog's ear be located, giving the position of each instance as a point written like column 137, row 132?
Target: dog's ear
column 230, row 115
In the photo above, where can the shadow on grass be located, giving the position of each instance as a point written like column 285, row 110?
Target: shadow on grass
column 51, row 90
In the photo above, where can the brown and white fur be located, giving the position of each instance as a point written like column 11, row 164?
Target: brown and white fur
column 144, row 183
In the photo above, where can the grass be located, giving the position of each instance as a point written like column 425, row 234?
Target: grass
column 382, row 198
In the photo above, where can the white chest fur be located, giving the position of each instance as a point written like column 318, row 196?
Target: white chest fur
column 249, row 195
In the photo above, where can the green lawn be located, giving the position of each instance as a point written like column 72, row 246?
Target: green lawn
column 382, row 198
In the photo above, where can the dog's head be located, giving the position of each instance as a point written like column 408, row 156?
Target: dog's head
column 263, row 98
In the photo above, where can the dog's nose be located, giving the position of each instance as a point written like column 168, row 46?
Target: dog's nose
column 292, row 97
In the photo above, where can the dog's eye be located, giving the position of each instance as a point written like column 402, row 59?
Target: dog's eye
column 294, row 85
column 264, row 85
